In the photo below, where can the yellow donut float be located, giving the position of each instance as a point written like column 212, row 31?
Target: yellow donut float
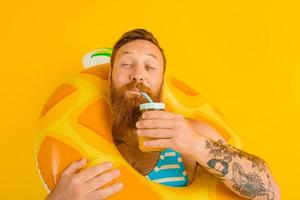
column 76, row 122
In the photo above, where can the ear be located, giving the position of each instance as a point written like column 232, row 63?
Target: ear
column 109, row 76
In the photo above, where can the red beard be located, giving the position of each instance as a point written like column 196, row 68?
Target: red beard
column 126, row 107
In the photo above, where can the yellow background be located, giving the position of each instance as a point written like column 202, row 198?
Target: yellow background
column 243, row 55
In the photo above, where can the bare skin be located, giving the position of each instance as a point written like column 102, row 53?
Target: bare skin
column 87, row 184
column 199, row 144
column 127, row 143
column 246, row 175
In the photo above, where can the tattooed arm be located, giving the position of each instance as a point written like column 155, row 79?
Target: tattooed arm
column 245, row 174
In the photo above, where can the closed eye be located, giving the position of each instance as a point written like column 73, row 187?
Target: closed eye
column 148, row 67
column 125, row 65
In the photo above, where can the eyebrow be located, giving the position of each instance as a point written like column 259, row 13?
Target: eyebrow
column 149, row 54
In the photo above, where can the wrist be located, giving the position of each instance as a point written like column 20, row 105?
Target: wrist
column 198, row 152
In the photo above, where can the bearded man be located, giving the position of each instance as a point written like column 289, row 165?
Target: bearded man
column 138, row 63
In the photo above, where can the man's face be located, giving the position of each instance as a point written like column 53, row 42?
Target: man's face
column 138, row 66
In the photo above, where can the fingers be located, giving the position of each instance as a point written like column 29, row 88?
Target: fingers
column 158, row 115
column 105, row 192
column 155, row 133
column 74, row 167
column 101, row 180
column 159, row 143
column 77, row 184
column 94, row 171
column 155, row 123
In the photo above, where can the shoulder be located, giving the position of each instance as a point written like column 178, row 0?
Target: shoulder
column 205, row 129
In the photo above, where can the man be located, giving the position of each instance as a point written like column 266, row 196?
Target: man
column 138, row 64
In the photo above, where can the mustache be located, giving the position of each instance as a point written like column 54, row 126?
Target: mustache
column 136, row 85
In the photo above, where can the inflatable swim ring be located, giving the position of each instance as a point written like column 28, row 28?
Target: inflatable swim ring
column 76, row 122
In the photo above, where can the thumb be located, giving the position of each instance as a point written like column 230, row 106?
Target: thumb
column 74, row 167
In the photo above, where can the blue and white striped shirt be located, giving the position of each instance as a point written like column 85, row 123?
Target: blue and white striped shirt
column 169, row 170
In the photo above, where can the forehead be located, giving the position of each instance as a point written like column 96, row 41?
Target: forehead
column 140, row 47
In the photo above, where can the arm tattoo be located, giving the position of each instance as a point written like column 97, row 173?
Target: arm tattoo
column 247, row 184
column 223, row 155
column 250, row 184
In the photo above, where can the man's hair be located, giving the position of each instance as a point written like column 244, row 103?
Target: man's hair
column 136, row 34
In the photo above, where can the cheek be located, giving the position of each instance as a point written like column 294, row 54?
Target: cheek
column 156, row 82
column 120, row 78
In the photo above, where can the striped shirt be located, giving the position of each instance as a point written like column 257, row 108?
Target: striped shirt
column 169, row 170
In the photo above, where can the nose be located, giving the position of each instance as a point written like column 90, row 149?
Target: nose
column 137, row 78
column 137, row 75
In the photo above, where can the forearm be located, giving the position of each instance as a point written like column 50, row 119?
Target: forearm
column 245, row 174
